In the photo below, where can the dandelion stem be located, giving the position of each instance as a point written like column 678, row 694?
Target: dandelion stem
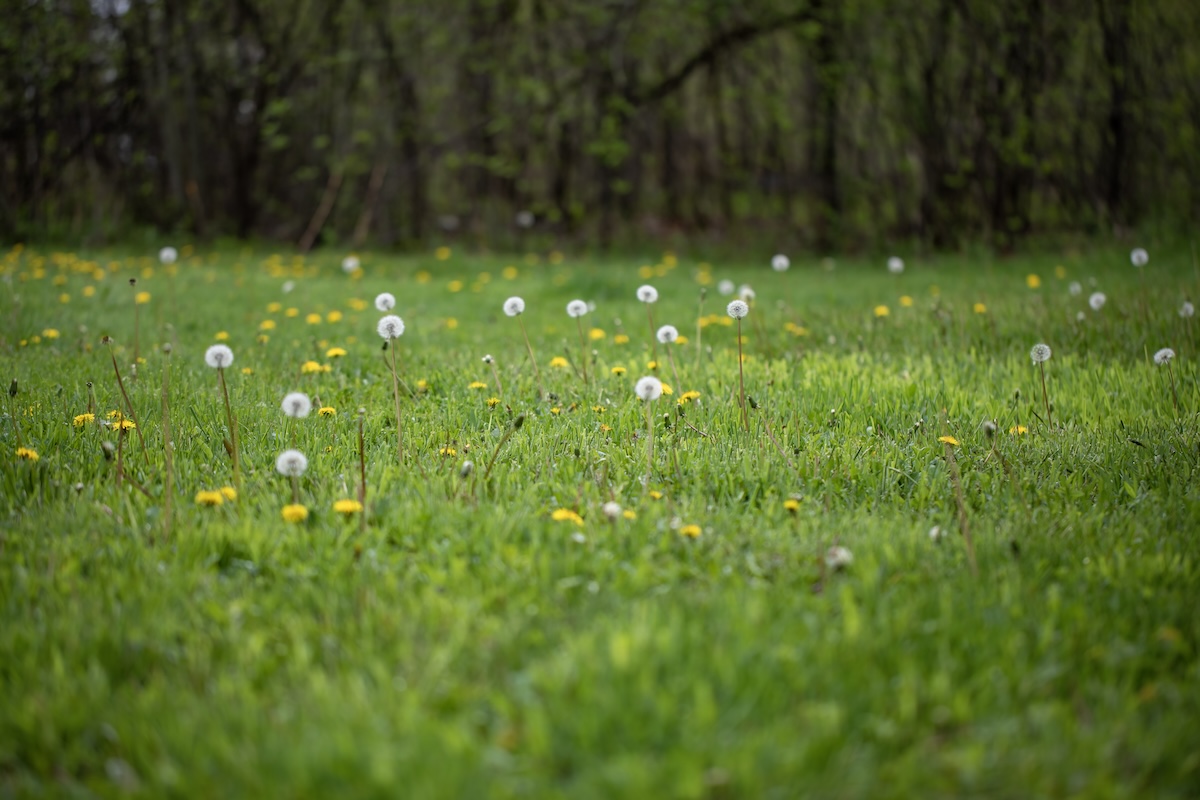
column 674, row 370
column 741, row 379
column 12, row 403
column 963, row 524
column 129, row 405
column 517, row 423
column 168, row 457
column 137, row 315
column 295, row 490
column 396, row 395
column 362, row 469
column 582, row 350
column 1174, row 395
column 233, row 433
column 1045, row 397
column 653, row 333
column 496, row 375
column 536, row 372
column 649, row 442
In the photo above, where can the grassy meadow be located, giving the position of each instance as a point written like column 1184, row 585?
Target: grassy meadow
column 767, row 611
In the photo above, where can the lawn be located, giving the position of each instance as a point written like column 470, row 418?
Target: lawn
column 768, row 613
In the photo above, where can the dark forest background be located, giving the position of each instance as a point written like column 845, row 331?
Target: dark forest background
column 821, row 124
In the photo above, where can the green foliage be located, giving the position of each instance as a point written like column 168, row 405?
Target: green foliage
column 466, row 643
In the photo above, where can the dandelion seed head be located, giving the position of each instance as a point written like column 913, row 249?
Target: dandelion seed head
column 288, row 286
column 514, row 306
column 612, row 510
column 1075, row 288
column 780, row 263
column 350, row 264
column 747, row 293
column 895, row 265
column 1139, row 257
column 296, row 405
column 291, row 463
column 168, row 255
column 385, row 301
column 1097, row 300
column 1187, row 310
column 218, row 356
column 726, row 287
column 648, row 388
column 936, row 533
column 487, row 359
column 737, row 309
column 647, row 294
column 838, row 557
column 1040, row 353
column 1164, row 356
column 525, row 219
column 390, row 327
column 576, row 309
column 667, row 334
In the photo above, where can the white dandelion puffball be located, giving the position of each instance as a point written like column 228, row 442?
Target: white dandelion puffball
column 1139, row 257
column 1097, row 300
column 296, row 404
column 385, row 301
column 667, row 334
column 895, row 265
column 726, row 287
column 218, row 356
column 838, row 558
column 168, row 255
column 1080, row 317
column 936, row 533
column 780, row 263
column 1164, row 356
column 647, row 294
column 648, row 388
column 576, row 309
column 737, row 309
column 1040, row 353
column 514, row 306
column 390, row 327
column 612, row 510
column 747, row 293
column 1076, row 288
column 488, row 359
column 524, row 219
column 288, row 286
column 350, row 264
column 291, row 463
column 1187, row 310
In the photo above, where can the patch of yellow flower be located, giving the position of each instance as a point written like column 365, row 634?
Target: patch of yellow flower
column 83, row 419
column 294, row 512
column 50, row 333
column 596, row 334
column 207, row 497
column 882, row 311
column 333, row 316
column 442, row 253
column 310, row 367
column 791, row 504
column 690, row 531
column 620, row 338
column 492, row 402
column 688, row 397
column 1033, row 281
column 979, row 308
column 560, row 362
column 618, row 371
column 1018, row 430
column 229, row 493
column 477, row 385
column 335, row 352
column 906, row 301
column 27, row 454
column 447, row 451
column 347, row 506
column 141, row 298
column 327, row 411
column 313, row 319
column 267, row 325
column 566, row 515
column 950, row 440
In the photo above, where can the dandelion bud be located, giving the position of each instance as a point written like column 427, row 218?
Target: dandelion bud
column 518, row 422
column 133, row 281
column 703, row 293
column 989, row 428
column 12, row 388
column 753, row 403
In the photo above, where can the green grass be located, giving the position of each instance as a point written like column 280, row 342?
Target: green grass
column 468, row 644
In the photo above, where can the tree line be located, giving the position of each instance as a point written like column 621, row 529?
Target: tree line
column 823, row 123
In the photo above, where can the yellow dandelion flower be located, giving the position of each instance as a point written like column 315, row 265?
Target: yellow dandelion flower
column 447, row 451
column 555, row 257
column 791, row 504
column 347, row 506
column 89, row 291
column 560, row 362
column 274, row 307
column 115, row 414
column 690, row 531
column 1018, row 430
column 309, row 367
column 141, row 298
column 326, row 411
column 64, row 298
column 1033, row 281
column 688, row 397
column 335, row 352
column 509, row 273
column 247, row 371
column 596, row 334
column 906, row 301
column 442, row 253
column 84, row 419
column 50, row 333
column 313, row 319
column 950, row 440
column 556, row 410
column 358, row 304
column 666, row 389
column 681, row 339
column 333, row 316
column 126, row 424
column 1060, row 272
column 267, row 325
column 209, row 498
column 882, row 311
column 294, row 512
column 492, row 402
column 229, row 493
column 454, row 286
column 605, row 429
column 477, row 385
column 422, row 385
column 629, row 513
column 222, row 336
column 424, row 277
column 656, row 495
column 618, row 371
column 27, row 454
column 566, row 515
column 980, row 308
column 620, row 338
column 292, row 312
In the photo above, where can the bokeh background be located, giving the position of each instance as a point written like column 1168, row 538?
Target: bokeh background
column 822, row 124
